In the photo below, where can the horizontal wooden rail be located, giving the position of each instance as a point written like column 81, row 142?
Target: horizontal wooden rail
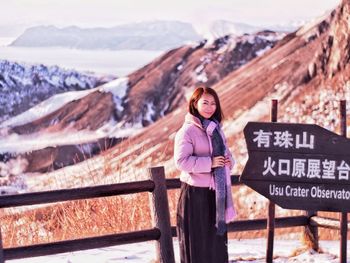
column 81, row 244
column 173, row 183
column 176, row 183
column 235, row 180
column 259, row 224
column 325, row 222
column 75, row 194
column 87, row 192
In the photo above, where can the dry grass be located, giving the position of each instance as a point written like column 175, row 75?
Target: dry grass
column 102, row 216
column 76, row 219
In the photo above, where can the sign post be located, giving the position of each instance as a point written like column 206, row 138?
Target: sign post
column 343, row 215
column 271, row 211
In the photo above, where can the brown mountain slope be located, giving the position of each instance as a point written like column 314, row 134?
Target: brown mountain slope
column 290, row 66
column 89, row 112
column 159, row 87
column 152, row 92
column 162, row 85
column 297, row 69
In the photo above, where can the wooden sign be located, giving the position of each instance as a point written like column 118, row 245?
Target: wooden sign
column 298, row 166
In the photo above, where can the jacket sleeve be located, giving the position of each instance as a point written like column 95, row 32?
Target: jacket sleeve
column 184, row 158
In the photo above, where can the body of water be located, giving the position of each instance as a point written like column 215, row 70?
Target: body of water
column 115, row 62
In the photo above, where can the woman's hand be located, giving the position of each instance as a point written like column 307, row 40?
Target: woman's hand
column 218, row 161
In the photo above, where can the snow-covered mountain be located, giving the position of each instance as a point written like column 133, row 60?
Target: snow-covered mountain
column 22, row 86
column 150, row 95
column 81, row 123
column 156, row 35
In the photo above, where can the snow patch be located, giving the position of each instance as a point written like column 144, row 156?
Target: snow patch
column 11, row 176
column 202, row 77
column 262, row 51
column 180, row 67
column 117, row 87
column 150, row 112
column 272, row 38
column 46, row 107
column 199, row 69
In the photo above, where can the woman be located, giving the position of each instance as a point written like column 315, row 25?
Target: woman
column 205, row 204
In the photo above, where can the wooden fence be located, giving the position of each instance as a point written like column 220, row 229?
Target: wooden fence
column 162, row 231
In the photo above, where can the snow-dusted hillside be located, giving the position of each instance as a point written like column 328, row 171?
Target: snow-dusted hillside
column 23, row 86
column 117, row 87
column 67, row 118
column 155, row 95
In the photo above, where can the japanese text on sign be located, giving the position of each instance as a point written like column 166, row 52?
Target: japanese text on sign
column 284, row 139
column 308, row 168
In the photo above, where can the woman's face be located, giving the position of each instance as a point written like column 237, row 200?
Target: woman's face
column 206, row 106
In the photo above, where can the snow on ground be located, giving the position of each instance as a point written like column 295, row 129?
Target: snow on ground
column 240, row 251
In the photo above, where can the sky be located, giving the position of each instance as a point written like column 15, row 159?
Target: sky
column 18, row 14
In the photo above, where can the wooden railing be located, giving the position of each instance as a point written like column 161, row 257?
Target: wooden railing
column 162, row 231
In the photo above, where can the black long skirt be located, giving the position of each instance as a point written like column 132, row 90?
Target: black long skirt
column 196, row 229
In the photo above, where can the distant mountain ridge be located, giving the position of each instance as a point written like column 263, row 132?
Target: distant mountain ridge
column 157, row 35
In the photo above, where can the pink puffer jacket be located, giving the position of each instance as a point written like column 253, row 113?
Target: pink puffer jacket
column 192, row 153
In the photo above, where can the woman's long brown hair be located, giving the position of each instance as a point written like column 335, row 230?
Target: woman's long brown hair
column 197, row 94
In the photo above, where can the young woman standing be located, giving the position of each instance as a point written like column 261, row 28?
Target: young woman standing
column 205, row 204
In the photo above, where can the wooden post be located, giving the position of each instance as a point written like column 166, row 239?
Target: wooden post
column 311, row 232
column 271, row 212
column 161, row 215
column 2, row 258
column 343, row 215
